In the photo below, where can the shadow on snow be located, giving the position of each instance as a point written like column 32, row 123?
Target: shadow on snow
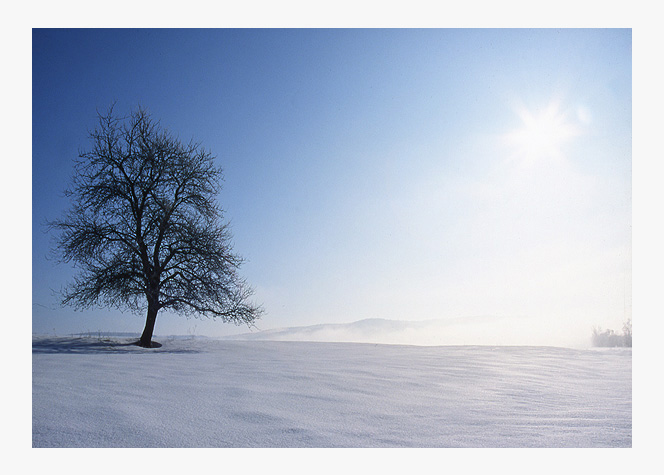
column 92, row 345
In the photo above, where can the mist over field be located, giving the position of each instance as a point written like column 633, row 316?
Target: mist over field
column 457, row 331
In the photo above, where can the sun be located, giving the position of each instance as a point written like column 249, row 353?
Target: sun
column 542, row 134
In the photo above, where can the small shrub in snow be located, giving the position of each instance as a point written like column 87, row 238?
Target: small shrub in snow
column 608, row 338
column 627, row 333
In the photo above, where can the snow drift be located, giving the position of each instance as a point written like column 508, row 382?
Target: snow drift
column 97, row 392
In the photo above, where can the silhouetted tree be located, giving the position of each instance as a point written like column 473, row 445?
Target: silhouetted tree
column 144, row 228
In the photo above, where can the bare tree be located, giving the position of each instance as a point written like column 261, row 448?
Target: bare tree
column 144, row 228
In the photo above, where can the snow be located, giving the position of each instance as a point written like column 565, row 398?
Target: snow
column 198, row 392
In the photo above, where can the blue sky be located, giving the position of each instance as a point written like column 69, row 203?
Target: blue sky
column 402, row 174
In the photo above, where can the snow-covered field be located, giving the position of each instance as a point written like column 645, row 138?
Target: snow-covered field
column 198, row 392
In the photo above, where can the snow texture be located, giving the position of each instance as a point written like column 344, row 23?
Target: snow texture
column 198, row 392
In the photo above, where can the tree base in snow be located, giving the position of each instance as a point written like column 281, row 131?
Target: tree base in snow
column 153, row 344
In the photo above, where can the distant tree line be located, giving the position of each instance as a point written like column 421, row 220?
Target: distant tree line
column 608, row 338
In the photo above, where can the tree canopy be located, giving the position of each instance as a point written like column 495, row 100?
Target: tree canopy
column 145, row 230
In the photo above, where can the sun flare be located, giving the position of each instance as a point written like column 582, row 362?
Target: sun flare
column 542, row 133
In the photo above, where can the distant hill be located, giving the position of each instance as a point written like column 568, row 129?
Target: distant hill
column 480, row 330
column 369, row 330
column 457, row 331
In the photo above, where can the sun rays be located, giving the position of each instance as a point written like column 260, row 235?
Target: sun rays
column 543, row 133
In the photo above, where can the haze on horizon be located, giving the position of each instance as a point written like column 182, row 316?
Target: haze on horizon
column 407, row 175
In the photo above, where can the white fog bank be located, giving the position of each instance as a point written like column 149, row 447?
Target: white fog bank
column 509, row 331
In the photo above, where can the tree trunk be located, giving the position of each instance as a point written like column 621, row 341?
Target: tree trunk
column 146, row 337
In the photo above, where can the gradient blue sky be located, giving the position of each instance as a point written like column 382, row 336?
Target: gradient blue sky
column 370, row 173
